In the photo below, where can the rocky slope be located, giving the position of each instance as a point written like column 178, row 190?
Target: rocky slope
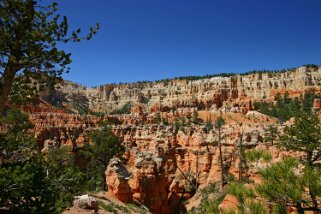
column 164, row 169
column 208, row 93
column 166, row 166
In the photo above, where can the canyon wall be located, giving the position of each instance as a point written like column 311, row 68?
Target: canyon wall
column 207, row 93
column 166, row 166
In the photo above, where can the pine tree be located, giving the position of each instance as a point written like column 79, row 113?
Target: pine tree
column 158, row 118
column 208, row 126
column 246, row 200
column 195, row 116
column 105, row 146
column 282, row 186
column 255, row 155
column 271, row 134
column 305, row 136
column 218, row 125
column 30, row 182
column 29, row 37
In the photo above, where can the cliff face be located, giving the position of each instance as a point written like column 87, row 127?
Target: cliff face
column 208, row 93
column 166, row 166
column 60, row 128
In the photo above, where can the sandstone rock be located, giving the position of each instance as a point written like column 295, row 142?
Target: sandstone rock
column 117, row 178
column 229, row 202
column 50, row 144
column 86, row 202
column 67, row 129
column 237, row 92
column 157, row 157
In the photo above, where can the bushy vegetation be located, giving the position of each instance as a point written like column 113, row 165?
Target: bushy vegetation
column 292, row 181
column 209, row 206
column 285, row 107
column 30, row 57
column 105, row 146
column 125, row 109
column 29, row 181
column 33, row 182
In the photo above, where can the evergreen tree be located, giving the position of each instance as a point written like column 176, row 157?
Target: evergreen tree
column 271, row 134
column 15, row 143
column 241, row 153
column 293, row 182
column 24, row 187
column 30, row 182
column 246, row 199
column 208, row 126
column 158, row 118
column 29, row 35
column 218, row 125
column 105, row 146
column 183, row 121
column 195, row 116
column 176, row 125
column 255, row 155
column 305, row 136
column 65, row 177
column 282, row 186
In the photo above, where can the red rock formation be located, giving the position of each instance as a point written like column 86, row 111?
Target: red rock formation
column 68, row 129
column 229, row 202
column 206, row 94
column 145, row 184
column 117, row 178
column 166, row 168
column 163, row 167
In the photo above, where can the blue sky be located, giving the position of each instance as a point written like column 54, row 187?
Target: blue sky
column 156, row 39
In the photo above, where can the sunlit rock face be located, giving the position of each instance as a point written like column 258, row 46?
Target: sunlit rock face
column 51, row 128
column 164, row 166
column 210, row 93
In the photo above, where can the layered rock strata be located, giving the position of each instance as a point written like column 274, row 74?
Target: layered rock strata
column 61, row 128
column 163, row 168
column 210, row 93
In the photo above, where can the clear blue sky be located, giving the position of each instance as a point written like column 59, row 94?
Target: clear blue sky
column 155, row 39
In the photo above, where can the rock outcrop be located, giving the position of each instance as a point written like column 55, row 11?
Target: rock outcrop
column 167, row 164
column 207, row 93
column 61, row 128
column 164, row 168
column 86, row 202
column 117, row 177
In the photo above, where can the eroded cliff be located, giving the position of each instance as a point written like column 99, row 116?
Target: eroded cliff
column 208, row 93
column 165, row 165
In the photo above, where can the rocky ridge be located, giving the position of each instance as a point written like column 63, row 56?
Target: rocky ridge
column 164, row 166
column 208, row 93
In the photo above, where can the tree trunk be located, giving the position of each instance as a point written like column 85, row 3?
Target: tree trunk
column 221, row 158
column 299, row 208
column 5, row 86
column 313, row 198
column 196, row 170
column 241, row 158
column 13, row 66
column 104, row 185
column 309, row 158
